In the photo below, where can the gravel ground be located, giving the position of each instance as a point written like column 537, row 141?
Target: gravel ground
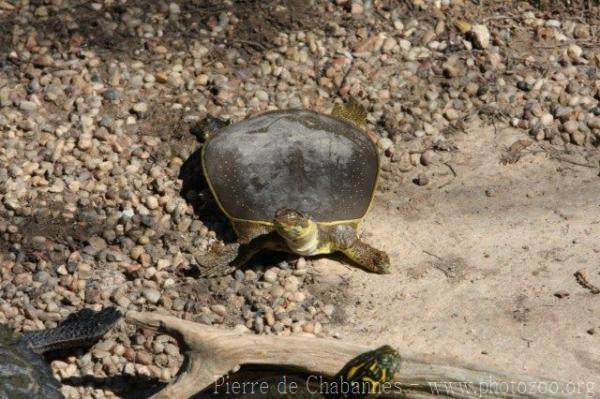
column 101, row 106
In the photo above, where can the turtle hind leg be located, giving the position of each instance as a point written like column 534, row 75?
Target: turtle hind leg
column 79, row 329
column 370, row 258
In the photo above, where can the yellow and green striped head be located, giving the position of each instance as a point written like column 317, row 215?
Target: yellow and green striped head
column 365, row 374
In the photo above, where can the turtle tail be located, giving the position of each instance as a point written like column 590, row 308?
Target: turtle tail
column 79, row 329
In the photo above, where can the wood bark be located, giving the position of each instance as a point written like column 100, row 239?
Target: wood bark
column 211, row 353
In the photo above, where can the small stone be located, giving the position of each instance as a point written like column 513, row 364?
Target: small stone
column 523, row 85
column 421, row 180
column 161, row 77
column 581, row 31
column 574, row 51
column 143, row 357
column 578, row 138
column 28, row 106
column 118, row 350
column 563, row 113
column 479, row 36
column 309, row 327
column 389, row 44
column 570, row 126
column 317, row 328
column 174, row 8
column 546, row 119
column 270, row 276
column 42, row 61
column 277, row 291
column 123, row 301
column 151, row 202
column 301, row 264
column 97, row 243
column 85, row 142
column 140, row 108
column 219, row 309
column 269, row 318
column 357, row 8
column 111, row 94
column 298, row 296
column 427, row 157
column 62, row 270
column 594, row 123
column 561, row 294
column 261, row 95
column 451, row 70
column 451, row 114
column 152, row 295
column 84, row 271
column 385, row 143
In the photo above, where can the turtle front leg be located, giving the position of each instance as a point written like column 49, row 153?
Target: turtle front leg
column 230, row 261
column 370, row 258
column 217, row 263
column 345, row 239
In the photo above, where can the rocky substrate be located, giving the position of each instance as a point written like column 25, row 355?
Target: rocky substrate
column 101, row 196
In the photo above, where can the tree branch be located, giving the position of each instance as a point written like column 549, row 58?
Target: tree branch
column 213, row 352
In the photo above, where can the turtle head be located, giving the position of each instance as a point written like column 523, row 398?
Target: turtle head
column 370, row 370
column 207, row 127
column 293, row 225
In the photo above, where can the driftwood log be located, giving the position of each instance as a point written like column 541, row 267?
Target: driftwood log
column 211, row 353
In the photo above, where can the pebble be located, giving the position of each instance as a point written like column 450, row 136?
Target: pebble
column 522, row 85
column 271, row 275
column 151, row 294
column 385, row 143
column 111, row 94
column 594, row 123
column 42, row 61
column 151, row 202
column 28, row 106
column 221, row 310
column 570, row 126
column 451, row 114
column 574, row 51
column 578, row 138
column 421, row 180
column 140, row 108
column 561, row 294
column 427, row 157
column 480, row 36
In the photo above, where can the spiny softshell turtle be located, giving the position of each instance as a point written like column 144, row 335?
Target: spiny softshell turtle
column 296, row 181
column 23, row 372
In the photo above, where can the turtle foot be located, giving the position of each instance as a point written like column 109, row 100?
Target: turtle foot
column 369, row 258
column 218, row 262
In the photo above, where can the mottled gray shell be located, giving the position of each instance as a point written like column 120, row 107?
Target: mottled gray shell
column 23, row 373
column 297, row 159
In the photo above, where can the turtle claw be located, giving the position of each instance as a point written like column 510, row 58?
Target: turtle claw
column 218, row 271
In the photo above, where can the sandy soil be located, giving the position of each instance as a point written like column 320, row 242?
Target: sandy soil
column 479, row 263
